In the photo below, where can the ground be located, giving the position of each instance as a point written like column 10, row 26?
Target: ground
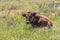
column 13, row 26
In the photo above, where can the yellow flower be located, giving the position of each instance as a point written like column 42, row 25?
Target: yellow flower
column 42, row 13
column 12, row 13
column 52, row 14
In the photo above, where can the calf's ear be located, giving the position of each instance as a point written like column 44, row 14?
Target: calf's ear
column 34, row 13
column 23, row 14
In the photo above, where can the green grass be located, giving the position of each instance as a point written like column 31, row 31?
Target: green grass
column 13, row 26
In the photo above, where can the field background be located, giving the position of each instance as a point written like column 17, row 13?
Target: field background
column 13, row 26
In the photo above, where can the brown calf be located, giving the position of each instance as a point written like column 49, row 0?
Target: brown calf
column 37, row 20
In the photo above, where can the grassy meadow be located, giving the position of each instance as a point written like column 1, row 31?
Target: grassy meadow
column 13, row 26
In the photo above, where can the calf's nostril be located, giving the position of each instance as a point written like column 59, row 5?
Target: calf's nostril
column 27, row 22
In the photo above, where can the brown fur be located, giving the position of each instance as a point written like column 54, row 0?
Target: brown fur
column 38, row 20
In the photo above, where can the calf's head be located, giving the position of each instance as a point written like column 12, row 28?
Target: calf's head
column 29, row 16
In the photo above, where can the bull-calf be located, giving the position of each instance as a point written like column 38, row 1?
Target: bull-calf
column 37, row 20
